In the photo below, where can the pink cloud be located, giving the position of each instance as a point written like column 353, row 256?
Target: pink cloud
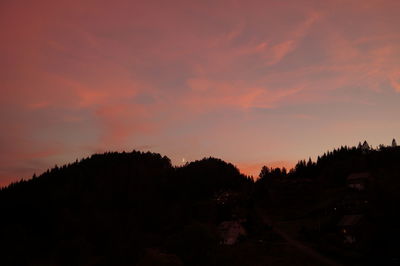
column 395, row 81
column 214, row 94
column 121, row 122
column 280, row 50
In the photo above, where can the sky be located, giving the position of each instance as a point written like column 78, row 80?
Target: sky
column 251, row 82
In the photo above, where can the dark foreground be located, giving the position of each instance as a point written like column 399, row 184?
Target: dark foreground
column 137, row 209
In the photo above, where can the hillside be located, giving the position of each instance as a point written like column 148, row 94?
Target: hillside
column 137, row 209
column 345, row 204
column 113, row 209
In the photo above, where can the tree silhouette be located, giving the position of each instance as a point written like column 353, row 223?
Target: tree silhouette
column 136, row 208
column 394, row 143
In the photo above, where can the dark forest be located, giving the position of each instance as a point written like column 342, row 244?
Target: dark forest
column 136, row 208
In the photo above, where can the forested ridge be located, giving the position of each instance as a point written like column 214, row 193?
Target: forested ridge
column 135, row 208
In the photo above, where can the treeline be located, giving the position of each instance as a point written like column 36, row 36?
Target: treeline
column 117, row 209
column 135, row 208
column 333, row 167
column 315, row 188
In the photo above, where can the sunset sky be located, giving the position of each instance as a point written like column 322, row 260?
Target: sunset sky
column 251, row 82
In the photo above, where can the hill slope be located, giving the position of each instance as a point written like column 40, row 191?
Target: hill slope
column 110, row 208
column 137, row 209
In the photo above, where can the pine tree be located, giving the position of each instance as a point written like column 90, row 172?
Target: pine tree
column 394, row 143
column 365, row 146
column 264, row 172
column 309, row 163
column 359, row 145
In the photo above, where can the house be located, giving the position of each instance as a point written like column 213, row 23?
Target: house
column 230, row 231
column 359, row 181
column 349, row 227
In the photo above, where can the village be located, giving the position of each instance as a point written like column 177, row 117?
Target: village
column 338, row 220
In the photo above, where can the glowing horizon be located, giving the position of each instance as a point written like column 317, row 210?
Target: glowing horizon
column 251, row 82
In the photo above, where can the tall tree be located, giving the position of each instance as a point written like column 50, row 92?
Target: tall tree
column 264, row 172
column 394, row 143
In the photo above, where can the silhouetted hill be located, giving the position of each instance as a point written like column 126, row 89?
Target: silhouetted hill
column 204, row 178
column 109, row 208
column 346, row 182
column 137, row 209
